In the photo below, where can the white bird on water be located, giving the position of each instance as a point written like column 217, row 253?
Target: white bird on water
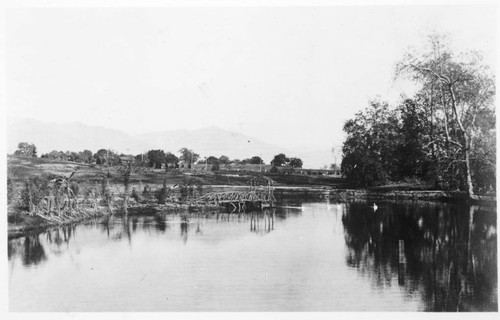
column 375, row 207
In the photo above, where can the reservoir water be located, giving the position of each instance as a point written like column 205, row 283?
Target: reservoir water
column 301, row 256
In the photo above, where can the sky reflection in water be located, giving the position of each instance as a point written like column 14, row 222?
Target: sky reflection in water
column 300, row 257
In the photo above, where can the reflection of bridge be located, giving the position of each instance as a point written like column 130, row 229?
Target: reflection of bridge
column 239, row 201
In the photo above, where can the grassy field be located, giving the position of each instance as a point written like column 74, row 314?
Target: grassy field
column 20, row 169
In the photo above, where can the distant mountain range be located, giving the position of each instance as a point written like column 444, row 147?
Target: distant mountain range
column 206, row 141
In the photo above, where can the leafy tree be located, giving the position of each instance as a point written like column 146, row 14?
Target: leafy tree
column 54, row 154
column 142, row 160
column 410, row 152
column 188, row 156
column 296, row 162
column 171, row 159
column 370, row 146
column 33, row 192
column 26, row 149
column 211, row 160
column 101, row 156
column 156, row 158
column 85, row 156
column 460, row 91
column 163, row 193
column 73, row 156
column 106, row 156
column 255, row 160
column 445, row 134
column 280, row 160
column 224, row 160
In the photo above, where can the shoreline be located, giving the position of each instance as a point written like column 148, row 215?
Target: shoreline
column 35, row 224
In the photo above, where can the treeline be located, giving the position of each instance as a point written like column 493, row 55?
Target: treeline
column 444, row 135
column 153, row 158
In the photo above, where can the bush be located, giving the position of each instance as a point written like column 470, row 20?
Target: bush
column 183, row 190
column 89, row 193
column 162, row 194
column 136, row 196
column 15, row 217
column 146, row 192
column 199, row 190
column 35, row 189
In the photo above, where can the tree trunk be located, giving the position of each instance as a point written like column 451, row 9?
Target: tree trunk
column 470, row 188
column 466, row 143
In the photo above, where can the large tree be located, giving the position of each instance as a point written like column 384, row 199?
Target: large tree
column 280, row 160
column 370, row 147
column 211, row 160
column 460, row 93
column 26, row 149
column 101, row 156
column 188, row 156
column 224, row 160
column 296, row 163
column 156, row 158
column 85, row 156
column 254, row 160
column 171, row 159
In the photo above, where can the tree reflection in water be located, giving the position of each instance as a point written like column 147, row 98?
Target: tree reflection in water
column 450, row 251
column 28, row 248
column 262, row 222
column 31, row 250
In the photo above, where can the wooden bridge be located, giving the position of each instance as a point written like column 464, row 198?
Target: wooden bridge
column 239, row 201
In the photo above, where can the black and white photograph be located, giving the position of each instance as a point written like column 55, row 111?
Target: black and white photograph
column 261, row 157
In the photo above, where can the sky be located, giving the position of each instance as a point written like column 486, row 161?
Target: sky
column 290, row 76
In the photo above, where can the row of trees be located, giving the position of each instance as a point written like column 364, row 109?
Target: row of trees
column 153, row 158
column 281, row 160
column 445, row 134
column 103, row 156
column 156, row 158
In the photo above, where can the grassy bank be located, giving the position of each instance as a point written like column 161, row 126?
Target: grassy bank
column 20, row 169
column 152, row 191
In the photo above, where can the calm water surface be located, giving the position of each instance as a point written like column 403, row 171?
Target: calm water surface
column 300, row 257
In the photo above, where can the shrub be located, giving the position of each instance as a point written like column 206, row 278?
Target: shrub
column 35, row 189
column 162, row 194
column 136, row 196
column 199, row 190
column 183, row 190
column 146, row 192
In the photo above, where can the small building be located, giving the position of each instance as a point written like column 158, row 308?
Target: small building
column 126, row 159
column 318, row 172
column 245, row 167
